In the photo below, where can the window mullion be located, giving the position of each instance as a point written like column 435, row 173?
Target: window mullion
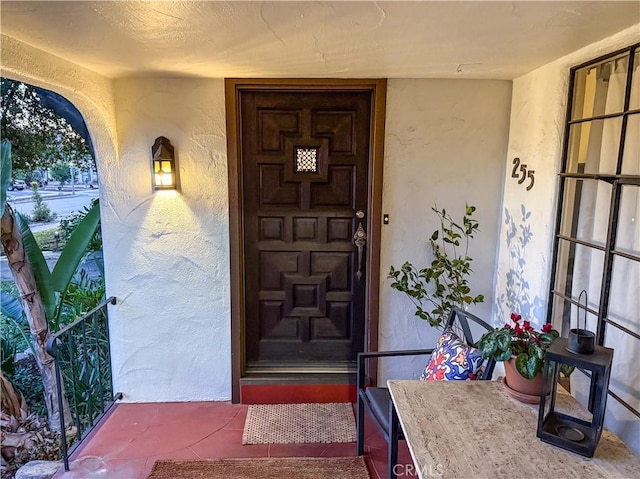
column 625, row 117
column 561, row 191
column 606, row 116
column 612, row 229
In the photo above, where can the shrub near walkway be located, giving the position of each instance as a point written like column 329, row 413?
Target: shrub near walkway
column 41, row 212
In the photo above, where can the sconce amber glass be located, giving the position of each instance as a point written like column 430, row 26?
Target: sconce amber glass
column 163, row 165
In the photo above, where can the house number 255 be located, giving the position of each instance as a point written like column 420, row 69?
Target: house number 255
column 520, row 171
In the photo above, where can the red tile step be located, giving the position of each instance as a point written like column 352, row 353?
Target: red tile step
column 296, row 393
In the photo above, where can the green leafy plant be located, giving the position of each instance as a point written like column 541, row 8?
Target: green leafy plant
column 13, row 327
column 26, row 378
column 435, row 289
column 91, row 377
column 7, row 355
column 46, row 289
column 520, row 340
column 83, row 294
column 41, row 212
column 69, row 223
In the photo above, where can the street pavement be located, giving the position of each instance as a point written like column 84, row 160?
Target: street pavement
column 50, row 257
column 62, row 202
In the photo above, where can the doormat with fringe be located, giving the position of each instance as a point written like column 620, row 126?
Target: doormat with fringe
column 264, row 468
column 299, row 423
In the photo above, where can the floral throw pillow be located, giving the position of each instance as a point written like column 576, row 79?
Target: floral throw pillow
column 452, row 359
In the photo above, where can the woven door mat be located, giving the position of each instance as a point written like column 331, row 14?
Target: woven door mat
column 299, row 423
column 264, row 468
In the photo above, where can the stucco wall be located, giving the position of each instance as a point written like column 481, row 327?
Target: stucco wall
column 536, row 134
column 169, row 252
column 445, row 145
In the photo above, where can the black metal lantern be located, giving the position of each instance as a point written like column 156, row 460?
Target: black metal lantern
column 163, row 165
column 561, row 429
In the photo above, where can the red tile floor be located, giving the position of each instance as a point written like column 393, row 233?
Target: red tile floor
column 133, row 436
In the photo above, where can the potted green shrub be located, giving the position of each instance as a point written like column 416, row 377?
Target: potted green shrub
column 435, row 289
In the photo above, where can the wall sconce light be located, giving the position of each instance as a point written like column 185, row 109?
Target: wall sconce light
column 163, row 165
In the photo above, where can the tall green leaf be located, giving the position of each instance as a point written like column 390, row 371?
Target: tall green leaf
column 39, row 265
column 10, row 306
column 75, row 250
column 5, row 172
column 31, row 248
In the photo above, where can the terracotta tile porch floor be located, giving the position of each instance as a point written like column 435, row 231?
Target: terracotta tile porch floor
column 133, row 436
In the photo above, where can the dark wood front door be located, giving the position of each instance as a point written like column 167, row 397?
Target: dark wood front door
column 305, row 160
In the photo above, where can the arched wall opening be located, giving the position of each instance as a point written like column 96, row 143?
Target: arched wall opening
column 166, row 253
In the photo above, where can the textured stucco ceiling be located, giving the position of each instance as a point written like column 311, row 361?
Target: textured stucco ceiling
column 500, row 40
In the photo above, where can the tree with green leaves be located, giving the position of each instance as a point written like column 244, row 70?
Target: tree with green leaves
column 436, row 288
column 42, row 292
column 38, row 135
column 60, row 172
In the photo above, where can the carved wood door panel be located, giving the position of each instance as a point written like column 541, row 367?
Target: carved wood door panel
column 305, row 159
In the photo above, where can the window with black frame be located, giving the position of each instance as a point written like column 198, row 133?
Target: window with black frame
column 597, row 241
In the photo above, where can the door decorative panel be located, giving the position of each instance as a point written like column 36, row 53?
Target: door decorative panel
column 305, row 159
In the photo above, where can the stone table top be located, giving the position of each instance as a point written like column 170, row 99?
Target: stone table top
column 474, row 429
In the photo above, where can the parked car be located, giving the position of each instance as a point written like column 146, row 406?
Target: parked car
column 17, row 185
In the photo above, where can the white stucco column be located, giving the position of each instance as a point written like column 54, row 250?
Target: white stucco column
column 169, row 263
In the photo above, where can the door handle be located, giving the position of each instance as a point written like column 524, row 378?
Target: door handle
column 360, row 240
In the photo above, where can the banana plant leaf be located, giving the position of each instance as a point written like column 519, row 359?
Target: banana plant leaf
column 31, row 248
column 10, row 306
column 58, row 281
column 75, row 249
column 39, row 265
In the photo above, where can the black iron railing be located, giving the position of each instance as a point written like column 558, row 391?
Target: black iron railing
column 83, row 369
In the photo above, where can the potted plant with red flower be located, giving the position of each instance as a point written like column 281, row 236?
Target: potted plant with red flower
column 522, row 349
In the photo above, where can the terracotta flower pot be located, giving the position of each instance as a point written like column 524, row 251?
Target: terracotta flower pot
column 516, row 382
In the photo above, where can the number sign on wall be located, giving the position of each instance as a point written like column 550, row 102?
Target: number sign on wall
column 520, row 171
